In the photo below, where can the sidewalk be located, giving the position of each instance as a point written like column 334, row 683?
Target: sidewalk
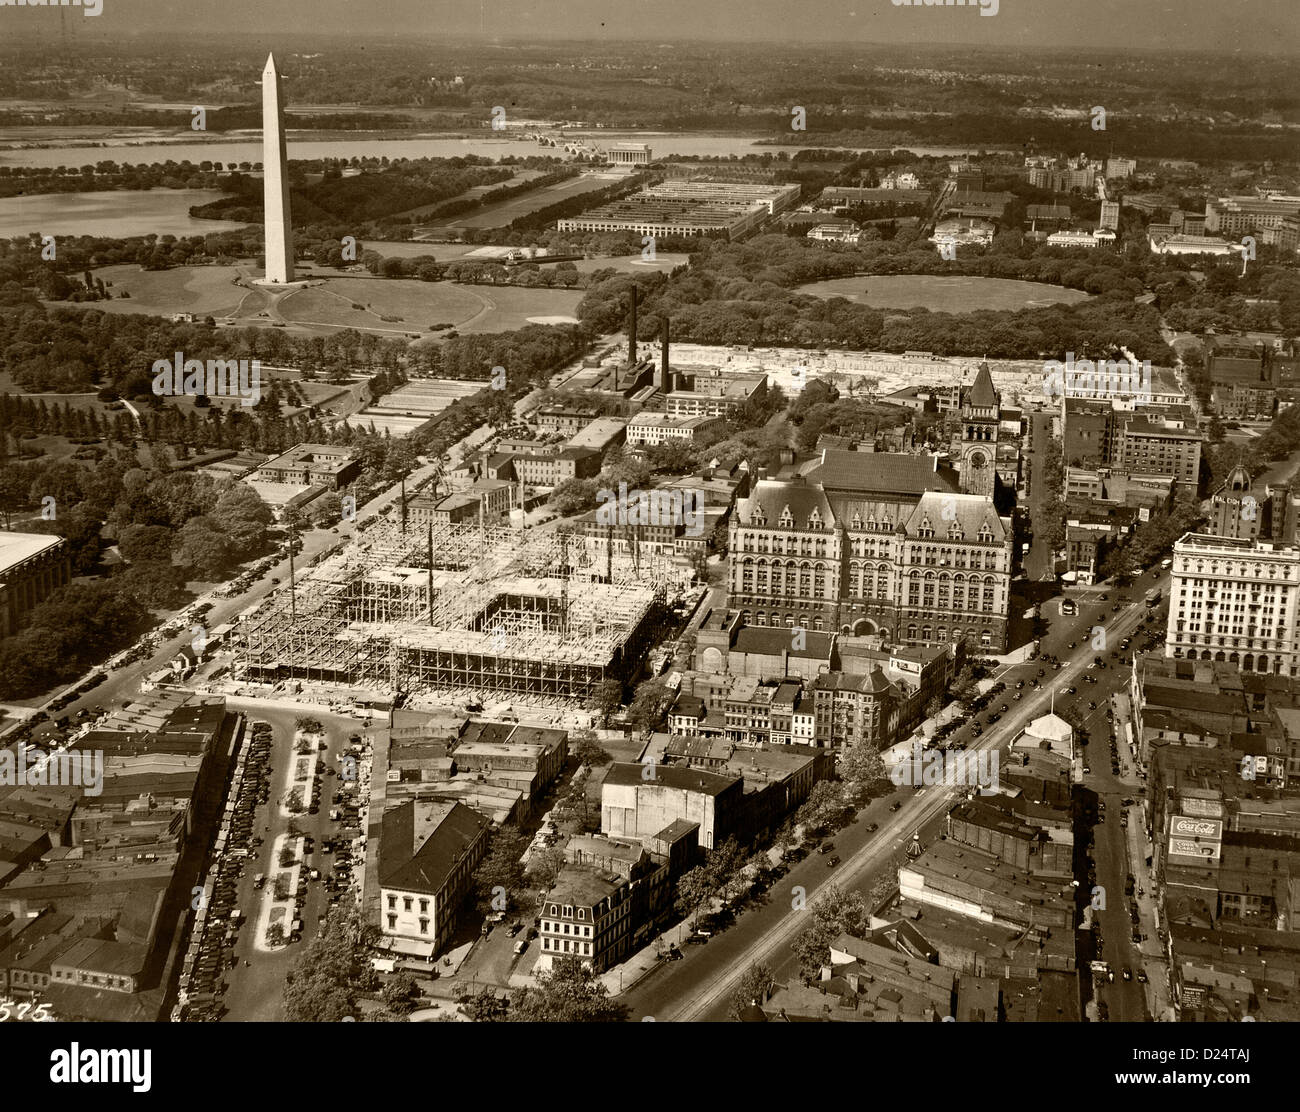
column 620, row 978
column 1154, row 960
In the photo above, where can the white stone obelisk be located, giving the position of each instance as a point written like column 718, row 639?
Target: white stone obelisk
column 277, row 226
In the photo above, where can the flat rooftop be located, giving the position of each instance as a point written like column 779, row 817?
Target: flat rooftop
column 18, row 547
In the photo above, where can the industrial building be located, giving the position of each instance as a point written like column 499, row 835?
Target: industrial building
column 689, row 208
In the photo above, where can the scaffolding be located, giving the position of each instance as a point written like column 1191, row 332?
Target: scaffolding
column 468, row 609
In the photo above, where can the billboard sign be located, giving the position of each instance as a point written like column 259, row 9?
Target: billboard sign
column 1196, row 828
column 1194, row 840
column 1203, row 808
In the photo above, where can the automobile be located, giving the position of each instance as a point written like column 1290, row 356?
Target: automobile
column 531, row 934
column 1004, row 708
column 1086, row 770
column 872, row 827
column 895, row 806
column 1116, row 608
column 521, row 946
column 1142, row 976
column 1072, row 690
column 826, row 847
column 1128, row 973
column 832, row 861
column 1092, row 705
column 1105, row 598
column 1018, row 695
column 1073, row 644
column 696, row 940
column 1021, row 684
column 514, row 929
column 1041, row 673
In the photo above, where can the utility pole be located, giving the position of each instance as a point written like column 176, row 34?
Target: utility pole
column 293, row 601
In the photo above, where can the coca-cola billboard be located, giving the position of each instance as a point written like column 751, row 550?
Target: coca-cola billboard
column 1208, row 829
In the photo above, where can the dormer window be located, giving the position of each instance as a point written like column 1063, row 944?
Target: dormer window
column 986, row 534
column 787, row 518
column 954, row 532
column 857, row 521
column 758, row 517
column 814, row 520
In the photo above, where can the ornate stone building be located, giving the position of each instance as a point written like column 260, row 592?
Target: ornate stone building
column 874, row 543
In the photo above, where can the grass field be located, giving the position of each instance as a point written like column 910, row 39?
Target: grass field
column 503, row 212
column 420, row 304
column 327, row 306
column 943, row 294
column 189, row 289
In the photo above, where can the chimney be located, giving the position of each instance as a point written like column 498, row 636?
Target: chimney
column 631, row 332
column 663, row 360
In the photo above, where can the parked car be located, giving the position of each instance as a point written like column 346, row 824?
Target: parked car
column 832, row 861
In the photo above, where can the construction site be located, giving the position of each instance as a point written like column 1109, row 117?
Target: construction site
column 465, row 611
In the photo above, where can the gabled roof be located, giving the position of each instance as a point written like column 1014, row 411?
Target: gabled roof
column 422, row 842
column 888, row 473
column 970, row 512
column 773, row 497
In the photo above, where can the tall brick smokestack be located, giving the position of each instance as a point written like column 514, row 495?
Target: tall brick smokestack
column 631, row 332
column 664, row 385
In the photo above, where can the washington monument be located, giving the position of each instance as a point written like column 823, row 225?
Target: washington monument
column 277, row 225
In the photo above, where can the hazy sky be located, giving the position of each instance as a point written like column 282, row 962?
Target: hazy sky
column 1222, row 25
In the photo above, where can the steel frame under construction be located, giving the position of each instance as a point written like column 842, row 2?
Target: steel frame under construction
column 461, row 610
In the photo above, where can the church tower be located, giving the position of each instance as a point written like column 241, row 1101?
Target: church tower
column 979, row 436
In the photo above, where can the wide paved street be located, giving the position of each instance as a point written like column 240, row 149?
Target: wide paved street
column 699, row 987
